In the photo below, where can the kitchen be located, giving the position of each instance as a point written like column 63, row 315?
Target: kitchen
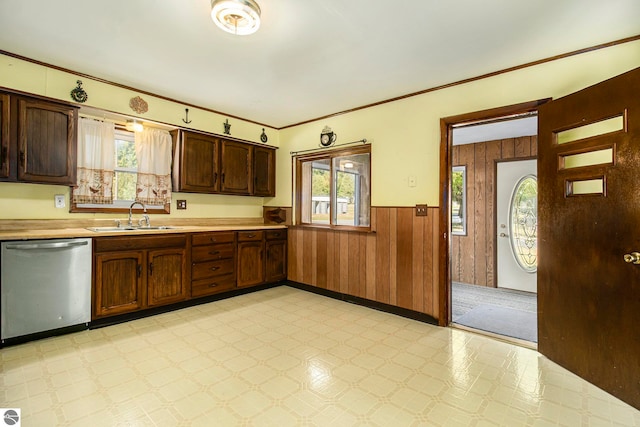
column 413, row 122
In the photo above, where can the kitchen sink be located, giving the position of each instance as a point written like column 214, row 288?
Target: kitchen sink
column 127, row 228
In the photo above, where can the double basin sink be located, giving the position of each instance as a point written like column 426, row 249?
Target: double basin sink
column 130, row 228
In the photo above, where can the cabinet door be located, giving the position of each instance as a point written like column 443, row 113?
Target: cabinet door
column 166, row 276
column 236, row 168
column 199, row 164
column 46, row 142
column 250, row 263
column 264, row 171
column 4, row 135
column 276, row 262
column 119, row 283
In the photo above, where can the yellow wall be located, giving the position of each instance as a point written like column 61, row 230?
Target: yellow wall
column 32, row 201
column 405, row 134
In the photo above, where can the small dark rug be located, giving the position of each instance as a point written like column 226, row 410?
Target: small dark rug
column 503, row 321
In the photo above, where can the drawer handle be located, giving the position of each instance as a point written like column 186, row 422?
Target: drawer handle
column 214, row 253
column 251, row 236
column 213, row 285
column 214, row 268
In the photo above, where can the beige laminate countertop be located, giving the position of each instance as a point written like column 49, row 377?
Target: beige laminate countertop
column 65, row 233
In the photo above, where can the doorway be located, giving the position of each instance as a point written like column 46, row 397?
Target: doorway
column 475, row 295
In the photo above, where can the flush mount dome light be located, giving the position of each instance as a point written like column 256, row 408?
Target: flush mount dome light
column 241, row 17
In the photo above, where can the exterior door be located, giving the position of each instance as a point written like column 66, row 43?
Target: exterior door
column 589, row 210
column 517, row 219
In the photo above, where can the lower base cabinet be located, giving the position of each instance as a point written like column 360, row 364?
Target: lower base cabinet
column 136, row 272
column 133, row 273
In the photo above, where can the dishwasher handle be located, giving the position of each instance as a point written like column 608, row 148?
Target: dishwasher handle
column 52, row 245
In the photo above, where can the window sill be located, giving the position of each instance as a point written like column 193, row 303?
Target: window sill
column 364, row 230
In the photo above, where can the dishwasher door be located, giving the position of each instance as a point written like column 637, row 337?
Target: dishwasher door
column 44, row 285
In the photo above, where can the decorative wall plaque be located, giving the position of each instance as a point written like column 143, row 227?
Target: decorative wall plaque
column 78, row 94
column 263, row 136
column 227, row 127
column 138, row 105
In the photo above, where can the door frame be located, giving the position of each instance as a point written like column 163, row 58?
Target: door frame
column 446, row 144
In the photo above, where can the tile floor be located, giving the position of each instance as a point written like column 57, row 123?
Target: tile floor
column 285, row 357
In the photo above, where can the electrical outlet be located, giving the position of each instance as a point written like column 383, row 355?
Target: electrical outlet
column 59, row 200
column 421, row 210
column 181, row 204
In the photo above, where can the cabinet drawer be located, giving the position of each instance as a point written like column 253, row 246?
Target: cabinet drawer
column 276, row 234
column 212, row 252
column 250, row 236
column 122, row 243
column 201, row 270
column 200, row 288
column 215, row 237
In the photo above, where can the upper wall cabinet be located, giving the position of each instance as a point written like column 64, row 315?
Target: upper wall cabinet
column 196, row 162
column 264, row 172
column 237, row 165
column 210, row 164
column 38, row 140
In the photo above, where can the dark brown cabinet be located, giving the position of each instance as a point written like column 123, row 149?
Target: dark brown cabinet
column 166, row 281
column 205, row 163
column 250, row 258
column 118, row 285
column 276, row 255
column 264, row 172
column 136, row 272
column 237, row 166
column 39, row 140
column 4, row 135
column 213, row 263
column 198, row 165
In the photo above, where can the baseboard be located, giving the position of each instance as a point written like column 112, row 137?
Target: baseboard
column 387, row 308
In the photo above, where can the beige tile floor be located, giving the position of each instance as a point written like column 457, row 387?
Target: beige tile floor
column 285, row 357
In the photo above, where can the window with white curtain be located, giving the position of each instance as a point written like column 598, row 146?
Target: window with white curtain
column 117, row 167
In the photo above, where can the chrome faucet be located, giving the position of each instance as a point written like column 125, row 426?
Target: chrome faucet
column 145, row 217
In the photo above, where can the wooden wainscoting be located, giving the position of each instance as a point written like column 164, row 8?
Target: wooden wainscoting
column 396, row 264
column 473, row 256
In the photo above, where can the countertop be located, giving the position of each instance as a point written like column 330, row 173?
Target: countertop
column 70, row 232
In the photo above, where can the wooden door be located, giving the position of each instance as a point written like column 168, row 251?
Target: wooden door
column 46, row 142
column 264, row 172
column 250, row 263
column 199, row 164
column 4, row 135
column 236, row 168
column 166, row 279
column 119, row 283
column 589, row 211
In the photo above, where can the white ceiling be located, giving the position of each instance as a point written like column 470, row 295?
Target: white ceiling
column 310, row 58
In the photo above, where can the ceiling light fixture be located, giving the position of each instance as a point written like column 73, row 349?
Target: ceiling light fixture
column 240, row 17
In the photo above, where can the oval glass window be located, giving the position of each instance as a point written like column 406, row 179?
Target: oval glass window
column 523, row 223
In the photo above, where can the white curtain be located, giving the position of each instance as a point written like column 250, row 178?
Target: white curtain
column 96, row 162
column 153, row 150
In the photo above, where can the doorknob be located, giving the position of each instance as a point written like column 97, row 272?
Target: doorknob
column 632, row 258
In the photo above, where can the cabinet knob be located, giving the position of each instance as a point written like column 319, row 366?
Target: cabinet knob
column 214, row 252
column 213, row 285
column 214, row 268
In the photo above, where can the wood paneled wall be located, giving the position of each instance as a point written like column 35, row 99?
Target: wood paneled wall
column 396, row 264
column 473, row 256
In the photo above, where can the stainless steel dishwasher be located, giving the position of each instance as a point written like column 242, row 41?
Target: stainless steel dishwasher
column 44, row 285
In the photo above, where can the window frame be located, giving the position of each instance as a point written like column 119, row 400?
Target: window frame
column 329, row 156
column 118, row 206
column 462, row 169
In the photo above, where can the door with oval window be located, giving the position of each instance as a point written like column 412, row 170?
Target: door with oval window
column 517, row 225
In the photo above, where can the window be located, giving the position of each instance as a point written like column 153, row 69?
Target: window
column 459, row 200
column 125, row 177
column 334, row 188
